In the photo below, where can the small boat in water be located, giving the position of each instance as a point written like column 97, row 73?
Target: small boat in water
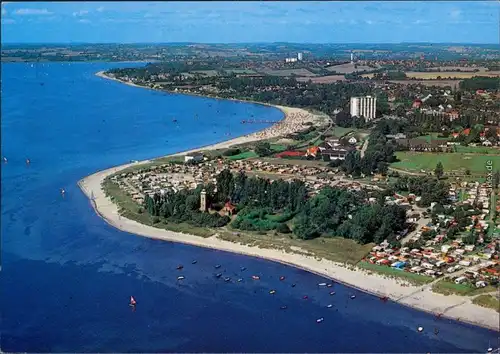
column 283, row 307
column 293, row 285
column 319, row 320
column 420, row 329
column 179, row 267
column 194, row 262
column 132, row 301
column 436, row 331
column 305, row 297
column 218, row 275
column 282, row 278
column 242, row 269
column 217, row 266
column 4, row 159
column 240, row 280
column 329, row 306
column 329, row 285
column 28, row 161
column 255, row 277
column 332, row 292
column 226, row 279
column 272, row 292
column 180, row 277
column 322, row 284
column 353, row 297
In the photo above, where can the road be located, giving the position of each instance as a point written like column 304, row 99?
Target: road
column 364, row 147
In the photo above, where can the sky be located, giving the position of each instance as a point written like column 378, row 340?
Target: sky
column 233, row 22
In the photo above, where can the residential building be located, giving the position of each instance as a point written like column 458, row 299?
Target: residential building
column 299, row 56
column 364, row 106
column 193, row 157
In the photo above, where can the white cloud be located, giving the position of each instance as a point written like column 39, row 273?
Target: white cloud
column 83, row 20
column 7, row 21
column 80, row 13
column 29, row 12
column 100, row 9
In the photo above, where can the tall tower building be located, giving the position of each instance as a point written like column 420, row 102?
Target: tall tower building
column 203, row 201
column 352, row 57
column 364, row 106
column 299, row 56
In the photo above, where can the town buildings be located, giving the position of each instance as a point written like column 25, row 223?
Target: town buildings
column 364, row 106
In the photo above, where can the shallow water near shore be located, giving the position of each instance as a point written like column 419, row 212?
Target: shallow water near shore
column 67, row 275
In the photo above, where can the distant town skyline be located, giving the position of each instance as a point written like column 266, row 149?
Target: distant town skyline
column 474, row 22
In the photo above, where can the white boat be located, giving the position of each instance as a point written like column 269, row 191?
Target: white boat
column 319, row 320
column 330, row 306
column 180, row 277
column 420, row 329
column 322, row 284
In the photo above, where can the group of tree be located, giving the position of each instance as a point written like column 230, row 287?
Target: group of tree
column 430, row 189
column 282, row 206
column 480, row 83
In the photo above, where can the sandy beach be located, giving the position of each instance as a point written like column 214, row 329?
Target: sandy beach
column 422, row 298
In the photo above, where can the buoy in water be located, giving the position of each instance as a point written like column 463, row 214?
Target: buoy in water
column 272, row 292
column 180, row 277
column 420, row 329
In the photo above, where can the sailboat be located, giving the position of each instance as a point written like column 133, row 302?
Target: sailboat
column 132, row 301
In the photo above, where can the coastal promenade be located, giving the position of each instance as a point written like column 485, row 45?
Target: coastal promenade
column 422, row 298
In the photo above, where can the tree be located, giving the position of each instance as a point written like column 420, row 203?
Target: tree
column 438, row 171
column 263, row 148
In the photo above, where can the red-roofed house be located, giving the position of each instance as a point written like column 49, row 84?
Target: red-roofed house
column 466, row 132
column 417, row 103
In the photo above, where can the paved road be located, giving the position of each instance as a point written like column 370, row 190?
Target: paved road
column 364, row 147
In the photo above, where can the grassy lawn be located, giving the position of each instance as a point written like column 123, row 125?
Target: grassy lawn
column 447, row 287
column 488, row 301
column 332, row 248
column 415, row 161
column 130, row 210
column 433, row 136
column 413, row 278
column 243, row 155
column 339, row 131
column 278, row 147
column 477, row 150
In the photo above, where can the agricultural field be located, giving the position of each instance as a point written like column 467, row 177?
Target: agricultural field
column 450, row 74
column 457, row 68
column 240, row 71
column 208, row 73
column 348, row 68
column 478, row 150
column 452, row 162
column 323, row 79
column 289, row 72
column 440, row 83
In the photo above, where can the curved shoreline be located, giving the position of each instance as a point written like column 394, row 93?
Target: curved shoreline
column 420, row 298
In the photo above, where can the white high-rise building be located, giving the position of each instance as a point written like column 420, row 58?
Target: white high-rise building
column 352, row 57
column 299, row 56
column 364, row 106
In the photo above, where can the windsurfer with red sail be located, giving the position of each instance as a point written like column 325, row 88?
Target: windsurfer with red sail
column 132, row 303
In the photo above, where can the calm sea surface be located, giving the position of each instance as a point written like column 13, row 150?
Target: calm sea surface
column 67, row 276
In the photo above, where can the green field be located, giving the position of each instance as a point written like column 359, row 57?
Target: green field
column 433, row 136
column 452, row 162
column 477, row 150
column 340, row 132
column 413, row 278
column 243, row 155
column 487, row 301
column 447, row 287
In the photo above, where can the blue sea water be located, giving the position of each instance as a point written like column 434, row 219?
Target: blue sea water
column 67, row 276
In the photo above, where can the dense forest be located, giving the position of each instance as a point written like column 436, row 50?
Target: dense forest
column 480, row 83
column 284, row 207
